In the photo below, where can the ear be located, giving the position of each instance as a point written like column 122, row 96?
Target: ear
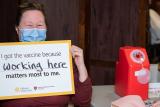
column 17, row 30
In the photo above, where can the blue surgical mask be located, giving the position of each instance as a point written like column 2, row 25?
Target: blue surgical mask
column 34, row 34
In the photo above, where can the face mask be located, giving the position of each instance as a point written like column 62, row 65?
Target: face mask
column 28, row 35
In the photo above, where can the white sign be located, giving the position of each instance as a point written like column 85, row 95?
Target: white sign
column 33, row 69
column 154, row 90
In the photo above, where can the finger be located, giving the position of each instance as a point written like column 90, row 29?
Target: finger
column 75, row 48
column 76, row 54
column 76, row 51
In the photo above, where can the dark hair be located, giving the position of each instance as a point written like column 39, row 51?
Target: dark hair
column 28, row 5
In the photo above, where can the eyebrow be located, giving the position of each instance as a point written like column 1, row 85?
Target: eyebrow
column 28, row 22
column 41, row 22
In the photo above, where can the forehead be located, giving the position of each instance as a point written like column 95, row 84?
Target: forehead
column 32, row 16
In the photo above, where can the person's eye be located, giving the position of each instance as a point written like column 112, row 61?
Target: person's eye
column 29, row 25
column 40, row 25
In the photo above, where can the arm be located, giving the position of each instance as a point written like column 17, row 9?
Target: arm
column 83, row 86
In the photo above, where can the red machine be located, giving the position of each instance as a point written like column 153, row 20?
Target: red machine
column 132, row 72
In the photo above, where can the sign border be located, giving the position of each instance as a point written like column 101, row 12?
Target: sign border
column 43, row 94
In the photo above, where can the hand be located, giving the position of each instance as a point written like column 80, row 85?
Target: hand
column 156, row 104
column 129, row 101
column 77, row 54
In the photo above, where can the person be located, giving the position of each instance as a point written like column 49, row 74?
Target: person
column 31, row 26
